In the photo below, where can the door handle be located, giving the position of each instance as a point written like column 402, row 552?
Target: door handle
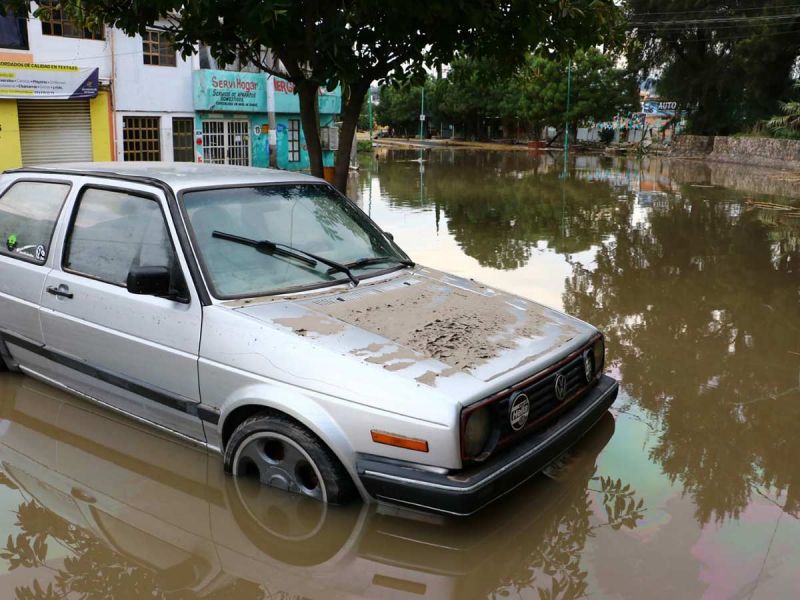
column 82, row 495
column 61, row 291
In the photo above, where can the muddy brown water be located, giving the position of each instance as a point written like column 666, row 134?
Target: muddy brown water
column 688, row 488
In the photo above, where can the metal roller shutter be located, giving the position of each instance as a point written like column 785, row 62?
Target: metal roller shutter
column 54, row 131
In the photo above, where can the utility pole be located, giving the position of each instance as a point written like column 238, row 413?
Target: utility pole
column 369, row 109
column 566, row 121
column 421, row 138
column 273, row 123
column 422, row 113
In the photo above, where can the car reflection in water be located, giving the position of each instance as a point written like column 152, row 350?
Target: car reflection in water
column 107, row 508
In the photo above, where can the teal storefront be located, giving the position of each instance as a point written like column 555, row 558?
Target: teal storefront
column 232, row 124
column 291, row 142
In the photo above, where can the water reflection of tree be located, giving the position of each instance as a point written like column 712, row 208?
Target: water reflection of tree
column 92, row 570
column 500, row 206
column 547, row 556
column 700, row 309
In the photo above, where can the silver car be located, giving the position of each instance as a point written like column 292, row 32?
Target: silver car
column 264, row 316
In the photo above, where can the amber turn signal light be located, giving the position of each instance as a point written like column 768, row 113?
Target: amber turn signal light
column 390, row 439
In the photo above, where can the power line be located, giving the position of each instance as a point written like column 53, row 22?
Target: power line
column 746, row 31
column 733, row 38
column 722, row 27
column 739, row 19
column 712, row 11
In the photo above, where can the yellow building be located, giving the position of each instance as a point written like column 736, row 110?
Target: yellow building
column 52, row 113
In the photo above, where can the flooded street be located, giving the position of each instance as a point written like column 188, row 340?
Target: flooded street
column 689, row 488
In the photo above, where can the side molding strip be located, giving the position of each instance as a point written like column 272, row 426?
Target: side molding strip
column 204, row 413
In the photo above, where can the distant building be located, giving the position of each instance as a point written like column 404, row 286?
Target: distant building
column 232, row 119
column 69, row 94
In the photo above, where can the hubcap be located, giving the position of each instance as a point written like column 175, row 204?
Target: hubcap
column 277, row 461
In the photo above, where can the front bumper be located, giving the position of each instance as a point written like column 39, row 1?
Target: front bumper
column 465, row 492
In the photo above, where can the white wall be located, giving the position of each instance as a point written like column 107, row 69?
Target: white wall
column 165, row 128
column 137, row 88
column 149, row 88
column 588, row 134
column 57, row 50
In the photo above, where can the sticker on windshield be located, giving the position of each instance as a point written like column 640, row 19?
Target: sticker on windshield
column 11, row 242
column 41, row 253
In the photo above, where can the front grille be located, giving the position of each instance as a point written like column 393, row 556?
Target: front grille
column 542, row 394
column 544, row 404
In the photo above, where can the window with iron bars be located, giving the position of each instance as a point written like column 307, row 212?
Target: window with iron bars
column 183, row 139
column 141, row 138
column 55, row 22
column 294, row 140
column 158, row 49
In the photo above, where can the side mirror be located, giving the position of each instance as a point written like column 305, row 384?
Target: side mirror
column 149, row 281
column 388, row 235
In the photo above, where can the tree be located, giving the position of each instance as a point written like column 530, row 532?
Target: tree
column 727, row 63
column 533, row 93
column 599, row 89
column 787, row 124
column 354, row 42
column 399, row 107
column 363, row 116
column 479, row 88
column 694, row 307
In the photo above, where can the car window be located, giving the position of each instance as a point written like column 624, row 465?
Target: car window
column 114, row 231
column 28, row 214
column 308, row 217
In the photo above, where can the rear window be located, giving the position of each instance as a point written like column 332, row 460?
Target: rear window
column 28, row 214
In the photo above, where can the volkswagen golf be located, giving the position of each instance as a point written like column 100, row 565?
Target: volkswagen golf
column 264, row 316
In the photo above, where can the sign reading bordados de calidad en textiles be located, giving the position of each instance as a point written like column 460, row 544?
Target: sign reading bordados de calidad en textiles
column 24, row 81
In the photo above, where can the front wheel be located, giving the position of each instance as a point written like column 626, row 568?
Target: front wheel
column 282, row 454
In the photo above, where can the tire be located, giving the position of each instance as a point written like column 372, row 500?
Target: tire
column 281, row 453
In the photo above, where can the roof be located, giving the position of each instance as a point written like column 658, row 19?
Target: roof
column 178, row 175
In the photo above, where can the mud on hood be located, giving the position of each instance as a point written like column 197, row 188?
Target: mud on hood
column 431, row 327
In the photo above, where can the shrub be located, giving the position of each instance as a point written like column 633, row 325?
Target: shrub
column 606, row 136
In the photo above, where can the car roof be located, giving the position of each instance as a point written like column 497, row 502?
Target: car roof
column 179, row 176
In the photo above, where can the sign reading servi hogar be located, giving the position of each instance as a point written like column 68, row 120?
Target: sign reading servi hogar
column 32, row 81
column 230, row 91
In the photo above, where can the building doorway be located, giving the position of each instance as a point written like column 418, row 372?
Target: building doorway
column 54, row 131
column 226, row 142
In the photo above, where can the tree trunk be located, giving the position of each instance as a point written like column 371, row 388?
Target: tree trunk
column 549, row 143
column 350, row 112
column 308, row 93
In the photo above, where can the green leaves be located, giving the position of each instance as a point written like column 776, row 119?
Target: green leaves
column 20, row 552
column 533, row 92
column 728, row 64
column 622, row 508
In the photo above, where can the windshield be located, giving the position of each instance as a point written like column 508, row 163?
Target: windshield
column 310, row 218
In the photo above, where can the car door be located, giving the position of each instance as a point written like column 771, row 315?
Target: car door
column 136, row 352
column 29, row 212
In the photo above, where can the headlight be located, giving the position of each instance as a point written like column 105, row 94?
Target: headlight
column 476, row 432
column 599, row 355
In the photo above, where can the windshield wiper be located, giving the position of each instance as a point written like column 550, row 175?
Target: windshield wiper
column 270, row 248
column 376, row 260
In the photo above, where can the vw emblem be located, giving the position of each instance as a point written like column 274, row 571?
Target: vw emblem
column 561, row 387
column 518, row 412
column 588, row 367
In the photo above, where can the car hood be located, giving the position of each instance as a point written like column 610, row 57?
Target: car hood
column 435, row 328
